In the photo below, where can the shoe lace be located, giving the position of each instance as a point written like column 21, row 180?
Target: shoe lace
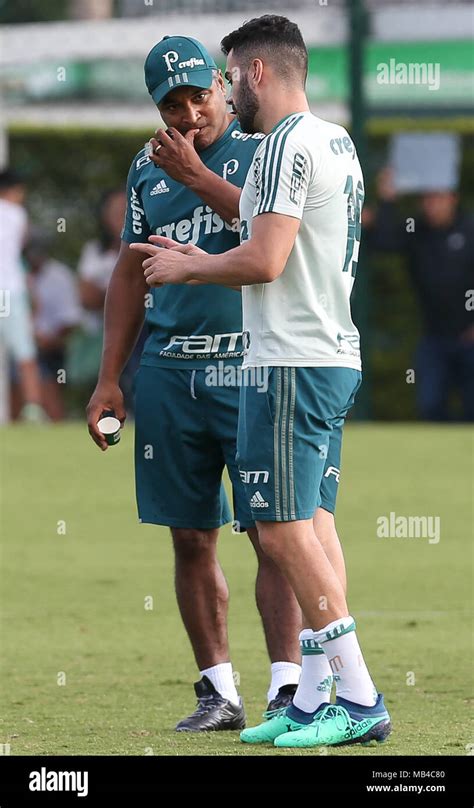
column 205, row 705
column 336, row 713
column 268, row 714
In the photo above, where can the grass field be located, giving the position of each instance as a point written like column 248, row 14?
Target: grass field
column 87, row 669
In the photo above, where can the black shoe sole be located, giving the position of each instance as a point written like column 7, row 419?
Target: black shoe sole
column 379, row 733
column 239, row 725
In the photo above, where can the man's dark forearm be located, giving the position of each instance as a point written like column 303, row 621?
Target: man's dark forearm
column 220, row 195
column 123, row 321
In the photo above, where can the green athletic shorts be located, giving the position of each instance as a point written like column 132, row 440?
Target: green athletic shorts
column 289, row 440
column 185, row 434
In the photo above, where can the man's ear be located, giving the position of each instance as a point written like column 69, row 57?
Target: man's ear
column 256, row 72
column 221, row 82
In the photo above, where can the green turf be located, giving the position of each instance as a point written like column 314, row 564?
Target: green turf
column 74, row 603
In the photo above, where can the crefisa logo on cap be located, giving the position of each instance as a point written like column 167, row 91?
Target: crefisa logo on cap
column 172, row 57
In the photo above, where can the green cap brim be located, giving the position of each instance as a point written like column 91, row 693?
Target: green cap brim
column 196, row 78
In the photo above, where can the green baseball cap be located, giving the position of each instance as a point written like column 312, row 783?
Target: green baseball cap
column 177, row 61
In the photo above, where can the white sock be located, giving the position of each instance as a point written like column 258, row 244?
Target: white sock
column 283, row 673
column 222, row 678
column 316, row 676
column 342, row 648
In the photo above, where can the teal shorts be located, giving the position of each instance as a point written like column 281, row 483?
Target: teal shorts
column 185, row 434
column 289, row 440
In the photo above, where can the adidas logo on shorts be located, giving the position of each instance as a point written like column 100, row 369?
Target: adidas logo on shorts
column 258, row 501
column 160, row 188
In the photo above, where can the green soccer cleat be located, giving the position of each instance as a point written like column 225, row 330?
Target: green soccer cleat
column 341, row 724
column 271, row 729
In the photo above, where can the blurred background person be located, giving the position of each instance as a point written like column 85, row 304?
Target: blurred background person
column 438, row 246
column 96, row 263
column 56, row 312
column 98, row 258
column 16, row 326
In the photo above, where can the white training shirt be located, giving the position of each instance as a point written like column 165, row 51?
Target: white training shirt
column 13, row 226
column 96, row 266
column 56, row 296
column 306, row 168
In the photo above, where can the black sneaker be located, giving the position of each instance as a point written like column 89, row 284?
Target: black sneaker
column 213, row 712
column 283, row 699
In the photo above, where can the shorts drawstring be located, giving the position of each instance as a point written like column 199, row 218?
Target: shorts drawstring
column 191, row 386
